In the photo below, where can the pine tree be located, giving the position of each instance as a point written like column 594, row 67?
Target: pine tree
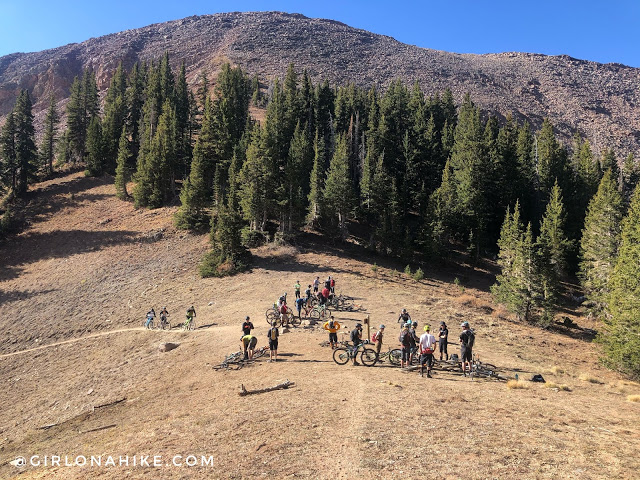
column 227, row 256
column 48, row 145
column 441, row 221
column 600, row 242
column 153, row 187
column 123, row 174
column 620, row 338
column 316, row 181
column 25, row 148
column 338, row 191
column 95, row 149
column 470, row 166
column 115, row 115
column 9, row 165
column 552, row 247
column 257, row 183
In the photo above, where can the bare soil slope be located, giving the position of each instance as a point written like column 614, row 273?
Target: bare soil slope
column 74, row 288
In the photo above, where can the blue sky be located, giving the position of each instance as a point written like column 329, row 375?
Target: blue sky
column 592, row 30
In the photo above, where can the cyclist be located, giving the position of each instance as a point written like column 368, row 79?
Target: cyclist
column 307, row 293
column 249, row 343
column 316, row 285
column 282, row 300
column 327, row 282
column 427, row 345
column 284, row 315
column 443, row 336
column 247, row 326
column 467, row 338
column 404, row 317
column 191, row 315
column 163, row 316
column 415, row 339
column 273, row 335
column 296, row 288
column 377, row 338
column 405, row 340
column 300, row 302
column 332, row 285
column 151, row 314
column 356, row 339
column 332, row 327
column 326, row 293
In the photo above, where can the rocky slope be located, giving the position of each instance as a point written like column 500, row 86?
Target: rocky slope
column 602, row 101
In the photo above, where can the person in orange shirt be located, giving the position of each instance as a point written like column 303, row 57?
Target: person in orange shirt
column 332, row 327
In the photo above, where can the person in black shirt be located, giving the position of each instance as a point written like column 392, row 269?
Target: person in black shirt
column 247, row 326
column 466, row 345
column 443, row 337
column 356, row 339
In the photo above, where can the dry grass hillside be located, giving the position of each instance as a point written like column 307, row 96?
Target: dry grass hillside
column 74, row 288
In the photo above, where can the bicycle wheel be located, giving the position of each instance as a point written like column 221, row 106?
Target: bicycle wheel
column 395, row 356
column 295, row 321
column 368, row 357
column 271, row 316
column 341, row 356
column 326, row 313
column 315, row 314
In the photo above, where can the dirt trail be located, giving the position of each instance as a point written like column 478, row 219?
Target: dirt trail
column 89, row 267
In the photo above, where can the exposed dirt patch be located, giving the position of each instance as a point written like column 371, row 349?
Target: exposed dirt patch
column 96, row 267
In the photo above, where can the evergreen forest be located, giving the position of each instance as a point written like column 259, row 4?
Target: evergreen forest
column 408, row 175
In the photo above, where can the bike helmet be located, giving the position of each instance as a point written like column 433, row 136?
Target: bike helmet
column 381, row 327
column 247, row 317
column 358, row 325
column 465, row 324
column 415, row 324
column 427, row 328
column 408, row 324
column 404, row 310
column 274, row 323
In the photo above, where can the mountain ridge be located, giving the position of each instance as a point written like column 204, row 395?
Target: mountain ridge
column 601, row 101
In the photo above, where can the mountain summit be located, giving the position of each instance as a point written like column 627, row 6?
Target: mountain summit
column 601, row 101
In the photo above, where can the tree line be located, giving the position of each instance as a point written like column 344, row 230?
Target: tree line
column 411, row 175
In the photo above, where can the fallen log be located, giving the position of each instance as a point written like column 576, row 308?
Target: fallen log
column 109, row 404
column 280, row 386
column 97, row 429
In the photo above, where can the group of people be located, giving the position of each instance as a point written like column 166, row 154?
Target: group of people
column 424, row 345
column 248, row 341
column 412, row 344
column 305, row 302
column 164, row 313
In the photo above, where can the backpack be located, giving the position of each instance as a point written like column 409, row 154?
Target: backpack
column 471, row 338
column 404, row 338
column 283, row 309
column 374, row 337
column 333, row 282
column 273, row 333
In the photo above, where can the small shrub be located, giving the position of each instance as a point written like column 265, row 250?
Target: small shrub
column 562, row 386
column 252, row 238
column 458, row 283
column 555, row 370
column 374, row 267
column 585, row 377
column 419, row 275
column 633, row 398
column 516, row 384
column 394, row 273
column 407, row 270
column 216, row 264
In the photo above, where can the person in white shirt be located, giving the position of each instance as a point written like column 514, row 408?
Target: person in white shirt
column 427, row 347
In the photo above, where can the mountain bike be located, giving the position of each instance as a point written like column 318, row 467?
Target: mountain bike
column 484, row 370
column 394, row 356
column 319, row 312
column 368, row 355
column 189, row 323
column 164, row 323
column 148, row 322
